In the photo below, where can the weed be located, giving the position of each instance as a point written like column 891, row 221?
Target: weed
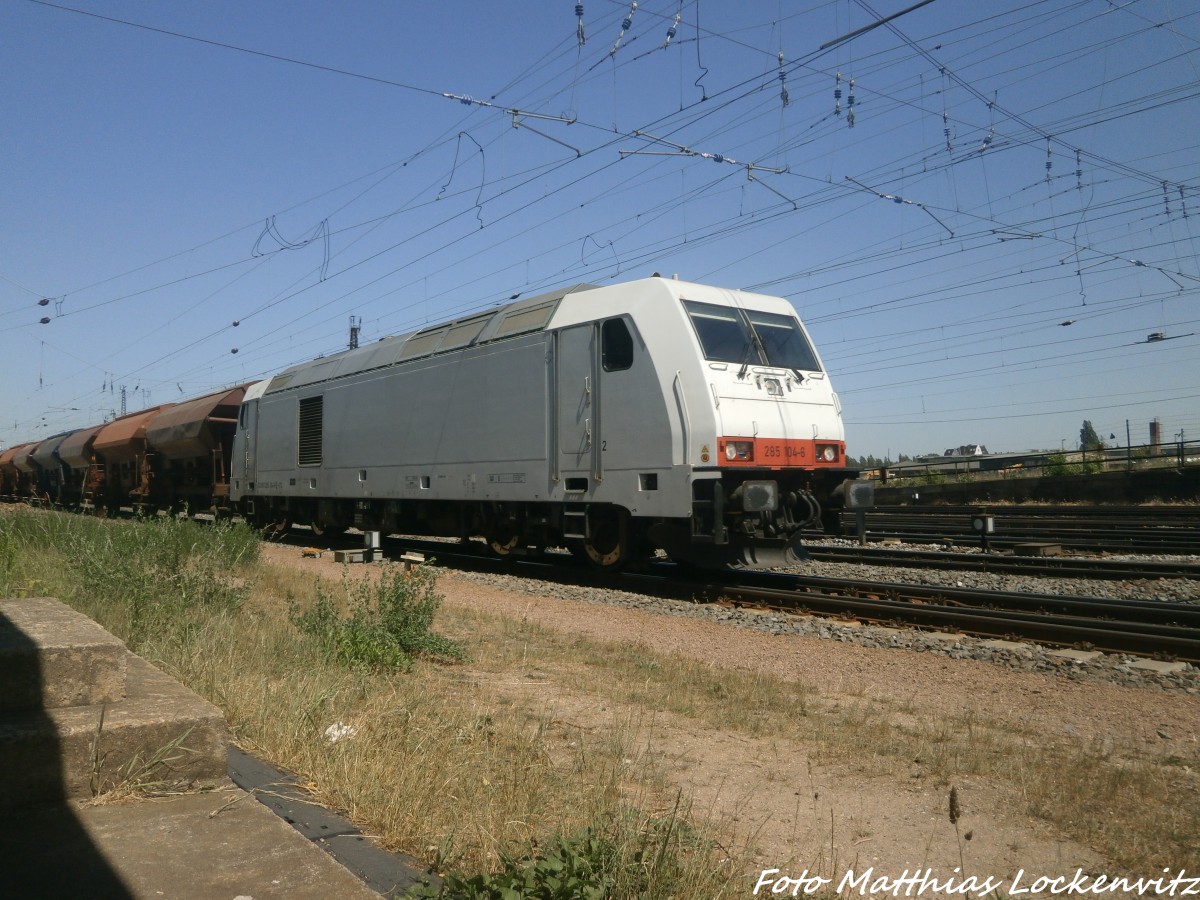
column 630, row 856
column 140, row 776
column 389, row 622
column 578, row 868
column 134, row 578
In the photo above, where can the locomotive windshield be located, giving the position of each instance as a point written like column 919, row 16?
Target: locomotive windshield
column 744, row 336
column 782, row 342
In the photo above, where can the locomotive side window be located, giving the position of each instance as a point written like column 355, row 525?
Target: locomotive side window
column 721, row 330
column 308, row 443
column 783, row 342
column 616, row 345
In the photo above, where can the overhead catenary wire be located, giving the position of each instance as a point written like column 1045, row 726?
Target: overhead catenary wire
column 828, row 202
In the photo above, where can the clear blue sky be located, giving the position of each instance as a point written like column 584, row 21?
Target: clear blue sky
column 171, row 168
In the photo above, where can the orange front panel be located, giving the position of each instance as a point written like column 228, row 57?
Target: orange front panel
column 778, row 453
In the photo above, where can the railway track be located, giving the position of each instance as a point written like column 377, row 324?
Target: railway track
column 1041, row 567
column 1166, row 630
column 1145, row 628
column 1148, row 529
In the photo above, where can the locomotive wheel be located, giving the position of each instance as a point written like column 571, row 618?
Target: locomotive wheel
column 277, row 528
column 504, row 544
column 608, row 546
column 320, row 529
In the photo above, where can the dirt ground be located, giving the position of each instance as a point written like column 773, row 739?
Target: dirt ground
column 827, row 818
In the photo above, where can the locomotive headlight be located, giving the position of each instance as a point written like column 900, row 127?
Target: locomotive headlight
column 827, row 452
column 735, row 450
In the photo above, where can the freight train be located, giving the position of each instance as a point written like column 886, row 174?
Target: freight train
column 615, row 420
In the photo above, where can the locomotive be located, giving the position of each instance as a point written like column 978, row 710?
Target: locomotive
column 652, row 414
column 614, row 420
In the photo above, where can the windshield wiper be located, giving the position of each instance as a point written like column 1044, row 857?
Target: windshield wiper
column 754, row 344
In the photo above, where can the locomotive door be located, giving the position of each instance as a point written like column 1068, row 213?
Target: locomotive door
column 247, row 430
column 577, row 404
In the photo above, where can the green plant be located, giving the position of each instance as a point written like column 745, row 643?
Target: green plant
column 1057, row 465
column 136, row 578
column 635, row 857
column 577, row 868
column 154, row 571
column 390, row 621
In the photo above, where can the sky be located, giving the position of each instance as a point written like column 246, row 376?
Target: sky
column 981, row 209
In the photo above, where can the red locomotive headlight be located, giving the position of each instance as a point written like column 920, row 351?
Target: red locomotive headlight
column 827, row 452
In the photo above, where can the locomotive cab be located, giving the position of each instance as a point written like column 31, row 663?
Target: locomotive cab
column 736, row 429
column 780, row 429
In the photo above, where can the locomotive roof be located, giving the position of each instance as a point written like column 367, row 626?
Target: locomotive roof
column 510, row 320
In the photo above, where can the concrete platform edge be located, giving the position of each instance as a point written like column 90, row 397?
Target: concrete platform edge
column 387, row 873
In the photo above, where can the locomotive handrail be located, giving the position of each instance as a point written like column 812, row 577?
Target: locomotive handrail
column 681, row 399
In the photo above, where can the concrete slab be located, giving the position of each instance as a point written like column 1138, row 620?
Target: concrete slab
column 1037, row 549
column 388, row 873
column 1079, row 656
column 1158, row 666
column 52, row 656
column 160, row 727
column 190, row 847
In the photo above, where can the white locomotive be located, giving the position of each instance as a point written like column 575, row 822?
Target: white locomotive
column 614, row 420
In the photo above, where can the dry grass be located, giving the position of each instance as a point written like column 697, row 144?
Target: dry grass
column 1134, row 811
column 437, row 763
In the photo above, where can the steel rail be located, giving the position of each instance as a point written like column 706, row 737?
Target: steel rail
column 1150, row 612
column 1098, row 540
column 1096, row 527
column 1181, row 643
column 1041, row 566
